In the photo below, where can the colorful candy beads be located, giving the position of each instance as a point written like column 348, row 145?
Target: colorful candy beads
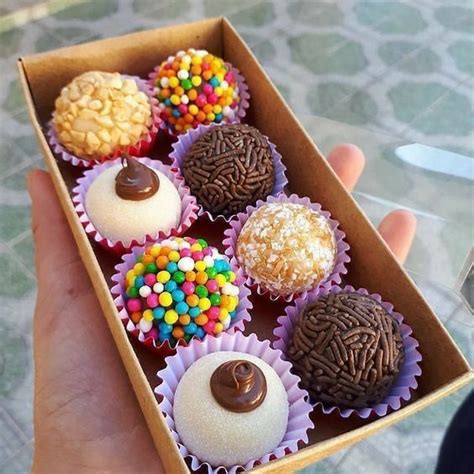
column 195, row 87
column 181, row 288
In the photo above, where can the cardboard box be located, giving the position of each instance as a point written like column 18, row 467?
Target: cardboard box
column 373, row 266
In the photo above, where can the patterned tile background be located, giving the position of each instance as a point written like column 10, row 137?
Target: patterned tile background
column 380, row 74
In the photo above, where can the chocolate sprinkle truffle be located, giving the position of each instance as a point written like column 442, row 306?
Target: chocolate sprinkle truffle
column 347, row 350
column 229, row 167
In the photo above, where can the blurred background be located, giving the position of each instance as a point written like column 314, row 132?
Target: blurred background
column 394, row 77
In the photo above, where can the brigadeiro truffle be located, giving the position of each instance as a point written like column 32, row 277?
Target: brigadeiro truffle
column 100, row 114
column 286, row 247
column 228, row 168
column 232, row 403
column 347, row 349
column 177, row 289
column 129, row 201
column 196, row 87
column 245, row 406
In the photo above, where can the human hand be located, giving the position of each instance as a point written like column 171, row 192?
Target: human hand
column 86, row 416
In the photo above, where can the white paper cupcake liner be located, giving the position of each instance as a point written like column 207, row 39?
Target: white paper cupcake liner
column 184, row 143
column 235, row 227
column 299, row 409
column 128, row 261
column 189, row 206
column 403, row 386
column 241, row 109
column 142, row 148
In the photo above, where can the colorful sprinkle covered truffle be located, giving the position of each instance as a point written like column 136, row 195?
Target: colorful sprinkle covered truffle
column 180, row 288
column 195, row 87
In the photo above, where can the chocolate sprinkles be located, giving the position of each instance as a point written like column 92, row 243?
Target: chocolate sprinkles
column 229, row 167
column 347, row 350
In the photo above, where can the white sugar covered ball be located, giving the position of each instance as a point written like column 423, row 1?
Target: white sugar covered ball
column 125, row 220
column 286, row 247
column 222, row 437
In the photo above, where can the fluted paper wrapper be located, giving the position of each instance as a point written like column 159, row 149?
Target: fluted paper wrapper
column 299, row 409
column 118, row 290
column 411, row 369
column 142, row 148
column 184, row 143
column 240, row 113
column 235, row 227
column 189, row 206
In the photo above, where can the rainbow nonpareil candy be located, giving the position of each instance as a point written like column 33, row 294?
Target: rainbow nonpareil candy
column 195, row 87
column 181, row 288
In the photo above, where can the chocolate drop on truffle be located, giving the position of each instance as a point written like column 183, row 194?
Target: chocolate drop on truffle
column 136, row 182
column 238, row 386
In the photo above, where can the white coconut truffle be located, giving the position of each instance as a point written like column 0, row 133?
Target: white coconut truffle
column 287, row 247
column 222, row 437
column 124, row 220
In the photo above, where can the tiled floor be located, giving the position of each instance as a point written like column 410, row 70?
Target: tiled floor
column 380, row 74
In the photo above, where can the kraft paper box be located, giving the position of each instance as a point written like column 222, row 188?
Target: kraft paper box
column 372, row 266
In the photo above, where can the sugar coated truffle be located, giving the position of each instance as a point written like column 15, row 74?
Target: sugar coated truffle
column 230, row 408
column 347, row 350
column 180, row 288
column 286, row 247
column 194, row 87
column 128, row 202
column 229, row 168
column 98, row 113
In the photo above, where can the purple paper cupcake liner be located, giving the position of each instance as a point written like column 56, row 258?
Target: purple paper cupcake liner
column 142, row 148
column 184, row 143
column 241, row 109
column 117, row 291
column 189, row 206
column 299, row 409
column 406, row 382
column 236, row 224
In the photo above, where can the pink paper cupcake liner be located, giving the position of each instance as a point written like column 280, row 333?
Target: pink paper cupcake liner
column 188, row 203
column 404, row 385
column 142, row 148
column 299, row 409
column 117, row 291
column 184, row 143
column 241, row 109
column 236, row 224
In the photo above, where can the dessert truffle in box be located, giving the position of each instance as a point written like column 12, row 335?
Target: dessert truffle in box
column 196, row 87
column 98, row 115
column 288, row 247
column 347, row 350
column 354, row 354
column 228, row 168
column 146, row 200
column 177, row 289
column 240, row 394
column 129, row 201
column 232, row 403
